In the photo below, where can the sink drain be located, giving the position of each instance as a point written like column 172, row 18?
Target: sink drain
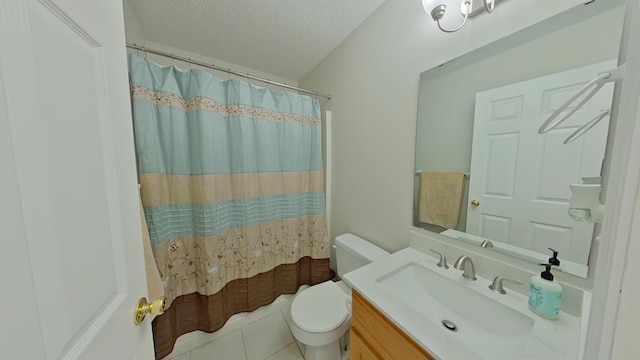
column 449, row 325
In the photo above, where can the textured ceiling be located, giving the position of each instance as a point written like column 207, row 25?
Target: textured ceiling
column 286, row 38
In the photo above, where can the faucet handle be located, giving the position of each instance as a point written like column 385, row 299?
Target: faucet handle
column 496, row 285
column 443, row 260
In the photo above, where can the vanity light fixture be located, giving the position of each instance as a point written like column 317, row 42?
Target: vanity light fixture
column 437, row 8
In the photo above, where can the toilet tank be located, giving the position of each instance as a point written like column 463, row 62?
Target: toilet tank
column 353, row 252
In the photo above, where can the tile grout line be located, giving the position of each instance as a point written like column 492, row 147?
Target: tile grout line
column 284, row 347
column 244, row 345
column 291, row 332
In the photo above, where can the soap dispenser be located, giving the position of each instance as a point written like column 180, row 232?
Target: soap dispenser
column 545, row 294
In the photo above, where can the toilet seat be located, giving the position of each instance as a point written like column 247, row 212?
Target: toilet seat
column 320, row 308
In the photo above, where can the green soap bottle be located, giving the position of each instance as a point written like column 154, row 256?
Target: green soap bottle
column 545, row 293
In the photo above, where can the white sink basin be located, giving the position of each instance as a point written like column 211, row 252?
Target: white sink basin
column 414, row 293
column 479, row 320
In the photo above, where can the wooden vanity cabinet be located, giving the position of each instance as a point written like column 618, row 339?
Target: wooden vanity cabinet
column 374, row 337
column 360, row 350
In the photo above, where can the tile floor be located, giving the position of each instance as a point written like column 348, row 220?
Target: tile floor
column 268, row 338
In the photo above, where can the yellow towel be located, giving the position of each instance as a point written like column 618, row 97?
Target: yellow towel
column 154, row 284
column 440, row 198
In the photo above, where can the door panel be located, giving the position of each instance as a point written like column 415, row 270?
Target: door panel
column 549, row 236
column 501, row 165
column 520, row 177
column 559, row 166
column 495, row 227
column 71, row 162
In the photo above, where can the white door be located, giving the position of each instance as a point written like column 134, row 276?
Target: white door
column 71, row 252
column 520, row 178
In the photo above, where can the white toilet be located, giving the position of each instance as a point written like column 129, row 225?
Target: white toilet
column 321, row 314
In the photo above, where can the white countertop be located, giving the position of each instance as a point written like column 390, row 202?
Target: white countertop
column 550, row 339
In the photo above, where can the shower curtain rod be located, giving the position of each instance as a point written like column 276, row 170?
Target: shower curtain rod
column 218, row 68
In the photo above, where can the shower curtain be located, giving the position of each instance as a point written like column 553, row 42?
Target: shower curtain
column 232, row 189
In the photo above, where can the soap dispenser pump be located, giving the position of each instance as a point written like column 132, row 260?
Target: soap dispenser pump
column 545, row 293
column 553, row 260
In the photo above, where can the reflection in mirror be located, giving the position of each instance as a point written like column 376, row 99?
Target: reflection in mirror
column 478, row 120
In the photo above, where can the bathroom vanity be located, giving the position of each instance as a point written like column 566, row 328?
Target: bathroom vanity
column 406, row 307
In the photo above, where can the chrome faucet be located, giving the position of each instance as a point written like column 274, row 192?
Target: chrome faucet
column 486, row 244
column 464, row 263
column 497, row 284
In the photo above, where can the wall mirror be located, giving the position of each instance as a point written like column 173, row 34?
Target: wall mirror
column 520, row 79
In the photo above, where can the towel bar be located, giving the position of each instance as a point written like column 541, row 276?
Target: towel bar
column 418, row 172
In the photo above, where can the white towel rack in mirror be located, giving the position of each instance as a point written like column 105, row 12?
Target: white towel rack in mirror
column 587, row 126
column 594, row 86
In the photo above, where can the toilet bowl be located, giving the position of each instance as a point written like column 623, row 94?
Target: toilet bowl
column 321, row 314
column 320, row 318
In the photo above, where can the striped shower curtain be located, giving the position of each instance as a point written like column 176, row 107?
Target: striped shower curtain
column 232, row 189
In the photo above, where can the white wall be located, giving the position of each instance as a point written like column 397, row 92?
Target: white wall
column 133, row 31
column 625, row 343
column 625, row 338
column 135, row 35
column 373, row 77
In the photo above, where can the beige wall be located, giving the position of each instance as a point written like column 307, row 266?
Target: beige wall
column 373, row 77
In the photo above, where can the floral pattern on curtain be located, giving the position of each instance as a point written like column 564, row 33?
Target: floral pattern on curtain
column 232, row 181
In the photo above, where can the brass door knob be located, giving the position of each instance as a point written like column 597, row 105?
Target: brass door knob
column 475, row 203
column 143, row 308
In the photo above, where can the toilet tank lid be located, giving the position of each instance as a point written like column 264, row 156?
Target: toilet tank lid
column 360, row 246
